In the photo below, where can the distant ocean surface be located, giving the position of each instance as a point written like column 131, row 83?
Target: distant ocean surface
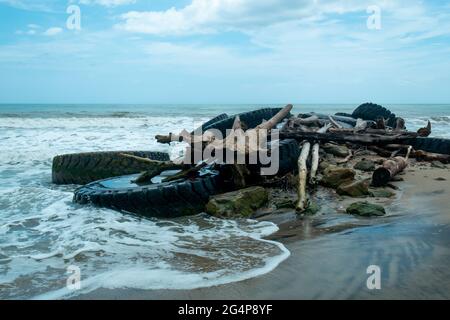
column 42, row 232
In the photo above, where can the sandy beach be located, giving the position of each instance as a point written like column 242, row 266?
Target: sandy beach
column 330, row 253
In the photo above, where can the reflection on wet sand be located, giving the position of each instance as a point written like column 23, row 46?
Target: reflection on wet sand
column 330, row 253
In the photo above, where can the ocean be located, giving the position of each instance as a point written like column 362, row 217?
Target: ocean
column 44, row 235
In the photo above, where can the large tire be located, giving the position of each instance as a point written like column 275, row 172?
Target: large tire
column 212, row 122
column 248, row 119
column 289, row 151
column 434, row 145
column 172, row 199
column 162, row 200
column 371, row 111
column 83, row 168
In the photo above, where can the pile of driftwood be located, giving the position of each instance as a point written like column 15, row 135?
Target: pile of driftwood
column 310, row 130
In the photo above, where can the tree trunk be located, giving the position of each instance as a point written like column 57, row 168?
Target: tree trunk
column 390, row 169
column 302, row 203
column 315, row 164
column 342, row 137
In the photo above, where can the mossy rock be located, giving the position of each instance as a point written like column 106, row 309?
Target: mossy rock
column 238, row 204
column 381, row 193
column 354, row 188
column 366, row 209
column 334, row 176
column 365, row 165
column 336, row 150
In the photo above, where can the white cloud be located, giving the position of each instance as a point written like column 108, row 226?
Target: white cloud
column 108, row 3
column 33, row 26
column 53, row 31
column 45, row 6
column 204, row 16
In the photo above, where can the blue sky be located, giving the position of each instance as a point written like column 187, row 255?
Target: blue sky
column 224, row 51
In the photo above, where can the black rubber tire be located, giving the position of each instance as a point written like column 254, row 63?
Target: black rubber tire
column 162, row 200
column 82, row 168
column 434, row 145
column 173, row 199
column 371, row 111
column 213, row 121
column 248, row 119
column 289, row 151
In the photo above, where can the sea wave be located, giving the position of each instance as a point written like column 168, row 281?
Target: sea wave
column 42, row 232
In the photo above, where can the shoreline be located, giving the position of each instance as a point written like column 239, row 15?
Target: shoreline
column 330, row 253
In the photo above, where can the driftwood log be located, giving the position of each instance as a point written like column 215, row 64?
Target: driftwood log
column 155, row 168
column 390, row 169
column 425, row 132
column 342, row 137
column 314, row 164
column 302, row 202
column 420, row 155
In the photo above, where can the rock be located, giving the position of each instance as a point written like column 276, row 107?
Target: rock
column 440, row 179
column 366, row 209
column 312, row 209
column 354, row 188
column 365, row 165
column 334, row 176
column 365, row 153
column 381, row 193
column 284, row 203
column 323, row 165
column 336, row 150
column 438, row 164
column 237, row 204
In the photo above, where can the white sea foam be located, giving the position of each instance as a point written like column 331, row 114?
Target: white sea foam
column 42, row 232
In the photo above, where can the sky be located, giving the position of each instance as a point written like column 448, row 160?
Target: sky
column 225, row 51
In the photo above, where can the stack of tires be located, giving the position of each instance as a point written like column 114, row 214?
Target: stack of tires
column 107, row 176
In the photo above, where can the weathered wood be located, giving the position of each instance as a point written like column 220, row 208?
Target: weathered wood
column 155, row 168
column 346, row 120
column 428, row 156
column 189, row 173
column 360, row 125
column 425, row 132
column 342, row 137
column 315, row 164
column 346, row 159
column 334, row 123
column 253, row 138
column 420, row 154
column 390, row 169
column 400, row 125
column 302, row 202
column 167, row 139
column 380, row 151
column 310, row 121
column 381, row 124
column 280, row 116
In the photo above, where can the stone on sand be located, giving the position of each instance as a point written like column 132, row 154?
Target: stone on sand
column 334, row 176
column 366, row 209
column 381, row 193
column 365, row 165
column 336, row 150
column 238, row 204
column 358, row 188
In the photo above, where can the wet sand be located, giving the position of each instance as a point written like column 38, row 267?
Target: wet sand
column 330, row 253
